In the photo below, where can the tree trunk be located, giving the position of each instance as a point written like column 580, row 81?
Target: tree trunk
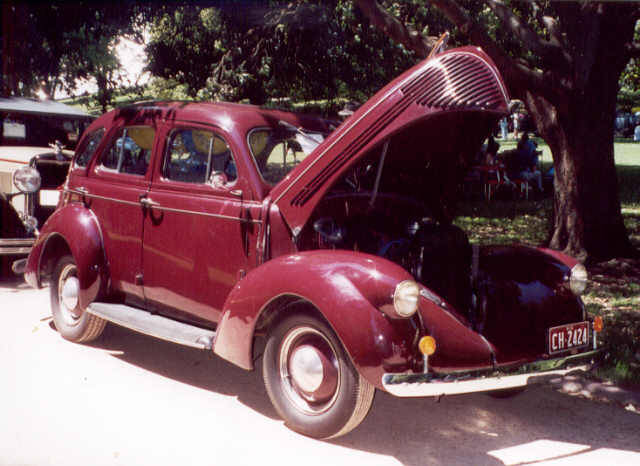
column 579, row 127
column 587, row 220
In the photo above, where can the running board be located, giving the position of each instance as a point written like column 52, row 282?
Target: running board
column 154, row 325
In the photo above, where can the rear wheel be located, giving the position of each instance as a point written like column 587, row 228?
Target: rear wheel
column 72, row 322
column 311, row 381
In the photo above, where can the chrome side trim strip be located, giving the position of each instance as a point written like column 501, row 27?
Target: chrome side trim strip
column 204, row 214
column 83, row 192
column 434, row 384
column 160, row 207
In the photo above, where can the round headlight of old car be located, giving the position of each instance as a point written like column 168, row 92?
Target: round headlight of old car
column 578, row 279
column 27, row 179
column 405, row 298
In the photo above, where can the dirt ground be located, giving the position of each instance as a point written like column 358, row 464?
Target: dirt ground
column 127, row 399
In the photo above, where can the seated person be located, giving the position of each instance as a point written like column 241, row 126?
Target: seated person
column 491, row 151
column 526, row 163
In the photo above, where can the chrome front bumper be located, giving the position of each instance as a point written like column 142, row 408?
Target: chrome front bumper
column 435, row 384
column 15, row 247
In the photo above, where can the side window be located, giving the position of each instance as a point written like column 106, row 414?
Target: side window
column 277, row 152
column 199, row 156
column 92, row 142
column 130, row 150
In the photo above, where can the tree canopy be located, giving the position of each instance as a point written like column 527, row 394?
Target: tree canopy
column 51, row 46
column 565, row 60
column 301, row 50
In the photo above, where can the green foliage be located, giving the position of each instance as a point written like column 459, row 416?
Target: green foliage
column 53, row 44
column 185, row 46
column 630, row 78
column 303, row 50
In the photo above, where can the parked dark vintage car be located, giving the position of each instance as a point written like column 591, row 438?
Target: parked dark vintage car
column 208, row 224
column 33, row 165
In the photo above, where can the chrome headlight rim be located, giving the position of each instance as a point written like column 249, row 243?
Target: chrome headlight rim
column 405, row 298
column 27, row 180
column 578, row 279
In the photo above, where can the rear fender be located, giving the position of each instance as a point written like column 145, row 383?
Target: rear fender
column 350, row 291
column 73, row 229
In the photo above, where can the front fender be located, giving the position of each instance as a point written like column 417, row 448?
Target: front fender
column 525, row 292
column 74, row 229
column 347, row 288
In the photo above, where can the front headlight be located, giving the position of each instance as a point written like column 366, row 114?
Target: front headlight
column 405, row 298
column 27, row 179
column 578, row 279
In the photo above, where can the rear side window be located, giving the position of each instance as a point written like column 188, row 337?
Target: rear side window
column 90, row 146
column 199, row 156
column 130, row 150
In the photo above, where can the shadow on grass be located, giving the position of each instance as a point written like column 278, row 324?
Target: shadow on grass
column 629, row 183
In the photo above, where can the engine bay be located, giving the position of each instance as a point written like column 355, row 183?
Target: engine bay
column 398, row 206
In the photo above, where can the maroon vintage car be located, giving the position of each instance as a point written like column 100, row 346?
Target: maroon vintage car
column 329, row 250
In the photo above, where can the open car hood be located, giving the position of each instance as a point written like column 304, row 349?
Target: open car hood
column 448, row 103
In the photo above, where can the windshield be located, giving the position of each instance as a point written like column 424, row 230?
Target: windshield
column 22, row 129
column 277, row 150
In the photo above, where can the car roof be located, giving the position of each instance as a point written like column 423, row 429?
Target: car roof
column 226, row 115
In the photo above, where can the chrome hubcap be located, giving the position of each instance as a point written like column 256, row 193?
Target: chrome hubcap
column 309, row 370
column 68, row 290
column 306, row 368
column 70, row 293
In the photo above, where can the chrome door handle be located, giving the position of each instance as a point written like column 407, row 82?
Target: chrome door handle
column 146, row 202
column 82, row 190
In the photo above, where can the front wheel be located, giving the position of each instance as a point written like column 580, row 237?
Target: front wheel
column 311, row 381
column 72, row 322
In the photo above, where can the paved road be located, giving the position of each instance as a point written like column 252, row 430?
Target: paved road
column 130, row 400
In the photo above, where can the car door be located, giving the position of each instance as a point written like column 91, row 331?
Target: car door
column 196, row 228
column 119, row 178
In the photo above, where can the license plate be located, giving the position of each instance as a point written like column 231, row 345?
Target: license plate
column 567, row 337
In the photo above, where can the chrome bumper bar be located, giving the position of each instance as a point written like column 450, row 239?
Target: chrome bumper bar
column 435, row 384
column 14, row 247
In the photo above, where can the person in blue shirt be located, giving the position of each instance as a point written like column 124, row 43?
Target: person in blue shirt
column 527, row 161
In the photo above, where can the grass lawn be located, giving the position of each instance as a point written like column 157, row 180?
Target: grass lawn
column 614, row 291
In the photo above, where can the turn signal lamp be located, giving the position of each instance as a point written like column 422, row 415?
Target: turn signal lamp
column 427, row 345
column 598, row 324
